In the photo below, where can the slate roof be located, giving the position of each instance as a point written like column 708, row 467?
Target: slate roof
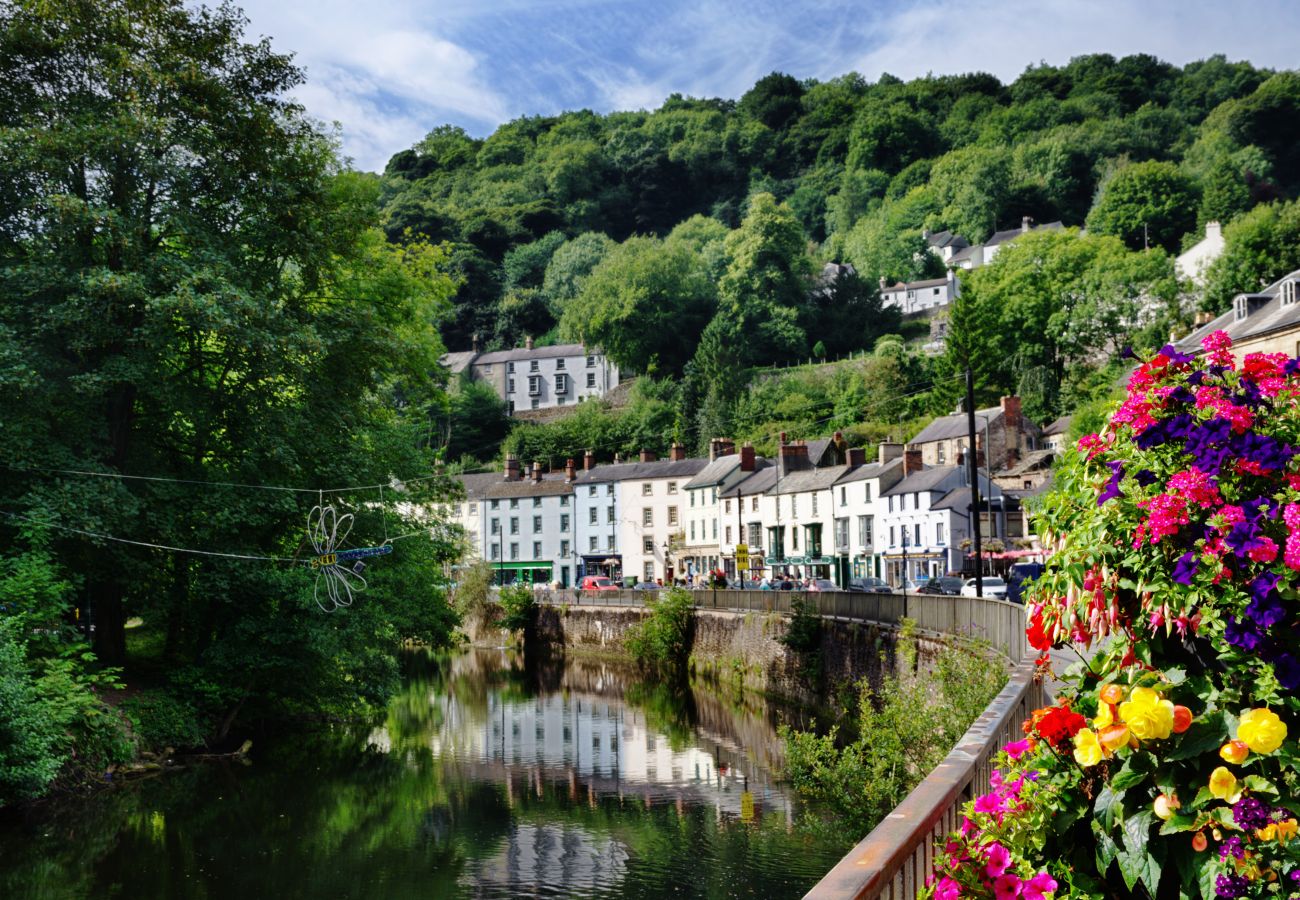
column 759, row 483
column 817, row 450
column 926, row 481
column 956, row 425
column 535, row 353
column 476, row 483
column 911, row 285
column 946, row 238
column 1060, row 426
column 715, row 472
column 869, row 471
column 551, row 485
column 808, row 480
column 457, row 362
column 1000, row 237
column 959, row 497
column 964, row 253
column 633, row 471
column 1033, row 459
column 1270, row 315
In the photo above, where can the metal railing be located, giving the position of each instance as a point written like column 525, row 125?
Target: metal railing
column 894, row 859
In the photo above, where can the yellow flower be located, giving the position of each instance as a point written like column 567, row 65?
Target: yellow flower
column 1286, row 829
column 1261, row 730
column 1234, row 752
column 1087, row 749
column 1267, row 833
column 1147, row 714
column 1223, row 784
column 1105, row 715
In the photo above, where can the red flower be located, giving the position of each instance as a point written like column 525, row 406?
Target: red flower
column 1037, row 631
column 1055, row 724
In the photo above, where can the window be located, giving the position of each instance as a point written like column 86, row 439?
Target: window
column 561, row 383
column 844, row 496
column 510, row 385
column 495, row 504
column 537, row 524
column 537, row 549
column 647, row 489
column 564, row 499
column 794, row 506
column 938, row 533
column 692, row 529
column 648, row 545
column 1288, row 292
column 942, row 451
column 794, row 538
column 726, row 507
column 692, row 493
column 916, row 501
column 609, row 490
column 564, row 549
column 510, row 367
column 564, row 522
column 591, row 491
column 536, row 404
column 841, row 534
column 473, row 508
column 728, row 534
column 592, row 515
column 537, row 503
column 591, row 362
column 609, row 515
column 494, row 526
column 715, row 529
column 647, row 517
column 672, row 516
column 613, row 542
column 514, row 524
column 715, row 495
column 753, row 503
column 866, row 494
column 514, row 551
column 532, row 366
column 591, row 379
column 672, row 487
column 776, row 541
column 511, row 404
column 534, row 385
column 649, row 571
column 514, row 503
column 1028, row 484
column 755, row 535
column 1240, row 308
column 594, row 542
column 814, row 504
column 865, row 537
column 917, row 533
column 559, row 364
column 496, row 551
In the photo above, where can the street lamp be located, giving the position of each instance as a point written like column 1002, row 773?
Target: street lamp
column 904, row 571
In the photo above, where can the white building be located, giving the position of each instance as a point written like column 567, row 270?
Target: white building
column 857, row 504
column 1192, row 263
column 528, row 525
column 531, row 377
column 920, row 296
column 982, row 254
column 708, row 519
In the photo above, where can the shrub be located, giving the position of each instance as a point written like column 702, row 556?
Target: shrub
column 31, row 751
column 162, row 720
column 660, row 642
column 804, row 633
column 519, row 606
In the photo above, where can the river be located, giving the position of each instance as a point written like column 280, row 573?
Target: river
column 485, row 779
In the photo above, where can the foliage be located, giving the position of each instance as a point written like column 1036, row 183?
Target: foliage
column 475, row 423
column 161, row 720
column 1259, row 247
column 519, row 607
column 1148, row 203
column 660, row 642
column 30, row 742
column 803, row 634
column 1167, row 764
column 904, row 729
column 473, row 588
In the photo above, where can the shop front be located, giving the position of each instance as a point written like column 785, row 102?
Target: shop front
column 865, row 566
column 914, row 568
column 526, row 572
column 608, row 564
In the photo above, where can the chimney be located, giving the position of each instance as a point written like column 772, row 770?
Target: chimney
column 715, row 448
column 890, row 450
column 537, row 471
column 1011, row 414
column 570, row 471
column 677, row 452
column 528, row 342
column 792, row 458
column 726, row 447
column 857, row 456
column 511, row 468
column 618, row 458
column 473, row 342
column 1213, row 230
column 882, row 283
column 912, row 462
column 588, row 460
column 648, row 455
column 952, row 279
column 1024, row 223
column 747, row 459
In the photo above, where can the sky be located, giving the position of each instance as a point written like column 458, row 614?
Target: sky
column 389, row 71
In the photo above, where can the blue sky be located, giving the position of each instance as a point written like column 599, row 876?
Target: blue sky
column 388, row 71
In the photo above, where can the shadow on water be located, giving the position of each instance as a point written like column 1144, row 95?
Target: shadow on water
column 486, row 777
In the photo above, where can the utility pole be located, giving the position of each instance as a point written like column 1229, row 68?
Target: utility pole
column 740, row 534
column 974, row 483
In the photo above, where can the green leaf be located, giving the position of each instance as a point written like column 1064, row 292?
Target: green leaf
column 1260, row 785
column 1207, row 733
column 1107, row 849
column 1178, row 822
column 1128, row 776
column 1136, row 862
column 1109, row 807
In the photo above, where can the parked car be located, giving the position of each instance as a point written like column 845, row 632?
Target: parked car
column 823, row 585
column 646, row 586
column 743, row 584
column 1019, row 578
column 596, row 583
column 993, row 585
column 871, row 585
column 947, row 585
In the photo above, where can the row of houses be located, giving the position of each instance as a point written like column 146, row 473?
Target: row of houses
column 819, row 509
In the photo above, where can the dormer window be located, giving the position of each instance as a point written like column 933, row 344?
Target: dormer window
column 1288, row 292
column 1241, row 308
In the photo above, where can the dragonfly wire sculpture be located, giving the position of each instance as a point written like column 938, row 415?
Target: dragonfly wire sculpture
column 326, row 530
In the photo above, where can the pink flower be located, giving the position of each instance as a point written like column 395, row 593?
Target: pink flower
column 967, row 828
column 1017, row 749
column 1196, row 486
column 1264, row 550
column 1036, row 887
column 1292, row 554
column 1218, row 346
column 989, row 803
column 948, row 889
column 999, row 858
column 1007, row 887
column 1092, row 444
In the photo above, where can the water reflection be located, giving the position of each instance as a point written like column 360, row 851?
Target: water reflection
column 485, row 779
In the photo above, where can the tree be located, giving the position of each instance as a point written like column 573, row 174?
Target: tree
column 200, row 294
column 1148, row 203
column 1260, row 247
column 773, row 100
column 476, row 422
column 569, row 267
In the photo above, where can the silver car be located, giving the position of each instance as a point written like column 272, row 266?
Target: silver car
column 993, row 586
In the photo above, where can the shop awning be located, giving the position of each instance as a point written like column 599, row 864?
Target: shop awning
column 523, row 566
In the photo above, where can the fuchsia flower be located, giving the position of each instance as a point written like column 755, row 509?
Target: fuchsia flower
column 989, row 803
column 999, row 859
column 1196, row 486
column 1017, row 749
column 1036, row 887
column 1007, row 887
column 947, row 889
column 1166, row 513
column 1218, row 348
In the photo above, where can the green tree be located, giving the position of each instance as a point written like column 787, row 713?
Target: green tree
column 1260, row 247
column 569, row 267
column 1148, row 203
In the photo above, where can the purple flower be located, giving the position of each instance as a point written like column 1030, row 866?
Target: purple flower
column 1146, row 477
column 1268, row 452
column 1181, row 394
column 1250, row 813
column 1111, row 490
column 1287, row 670
column 1230, row 887
column 1174, row 356
column 1267, row 611
column 1244, row 635
column 1186, row 567
column 1262, row 585
column 1232, row 847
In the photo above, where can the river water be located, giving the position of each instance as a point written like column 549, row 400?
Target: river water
column 487, row 778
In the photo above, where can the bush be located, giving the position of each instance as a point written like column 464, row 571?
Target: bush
column 473, row 588
column 805, row 631
column 161, row 720
column 660, row 642
column 904, row 730
column 520, row 607
column 31, row 754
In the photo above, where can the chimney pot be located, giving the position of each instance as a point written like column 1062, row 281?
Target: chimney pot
column 537, row 471
column 648, row 455
column 747, row 458
column 1024, row 222
column 882, row 282
column 588, row 460
column 570, row 470
column 857, row 456
column 473, row 343
column 510, row 471
column 528, row 342
column 677, row 452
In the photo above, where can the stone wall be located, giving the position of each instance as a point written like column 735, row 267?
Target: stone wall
column 732, row 649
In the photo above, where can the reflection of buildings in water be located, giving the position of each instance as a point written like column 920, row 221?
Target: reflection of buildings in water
column 551, row 856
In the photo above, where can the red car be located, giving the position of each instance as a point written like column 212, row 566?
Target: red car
column 596, row 583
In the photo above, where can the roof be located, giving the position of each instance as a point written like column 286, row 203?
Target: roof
column 476, row 483
column 535, row 353
column 715, row 472
column 945, row 238
column 1003, row 236
column 1270, row 315
column 1033, row 459
column 457, row 362
column 1060, row 426
column 759, row 483
column 817, row 449
column 927, row 481
column 955, row 426
column 642, row 471
column 869, row 471
column 551, row 485
column 929, row 282
column 965, row 253
column 808, row 480
column 959, row 497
